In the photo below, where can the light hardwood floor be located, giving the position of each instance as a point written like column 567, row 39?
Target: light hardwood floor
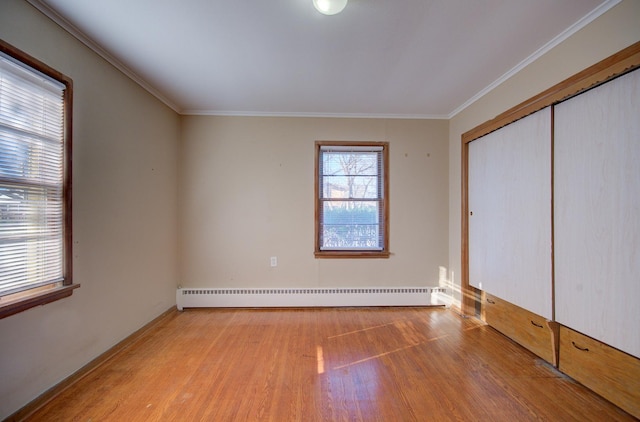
column 336, row 364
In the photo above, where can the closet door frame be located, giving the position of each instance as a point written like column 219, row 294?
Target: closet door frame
column 613, row 66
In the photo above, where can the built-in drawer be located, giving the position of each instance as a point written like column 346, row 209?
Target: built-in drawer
column 524, row 327
column 609, row 372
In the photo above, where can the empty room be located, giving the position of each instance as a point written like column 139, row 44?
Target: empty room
column 319, row 210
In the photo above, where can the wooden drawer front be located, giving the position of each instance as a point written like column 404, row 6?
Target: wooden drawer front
column 609, row 372
column 526, row 328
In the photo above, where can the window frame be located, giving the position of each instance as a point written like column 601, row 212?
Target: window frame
column 21, row 301
column 352, row 253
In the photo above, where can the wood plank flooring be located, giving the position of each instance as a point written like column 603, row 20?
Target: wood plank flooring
column 335, row 364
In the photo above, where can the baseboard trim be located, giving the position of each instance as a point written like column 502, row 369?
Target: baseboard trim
column 308, row 297
column 59, row 388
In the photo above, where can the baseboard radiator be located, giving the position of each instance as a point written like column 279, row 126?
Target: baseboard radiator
column 314, row 297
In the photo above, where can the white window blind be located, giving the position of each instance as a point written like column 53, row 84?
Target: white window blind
column 31, row 178
column 351, row 198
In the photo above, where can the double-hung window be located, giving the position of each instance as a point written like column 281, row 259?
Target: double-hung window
column 35, row 183
column 352, row 200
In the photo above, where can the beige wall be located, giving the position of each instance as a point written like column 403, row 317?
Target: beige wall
column 125, row 216
column 247, row 194
column 616, row 29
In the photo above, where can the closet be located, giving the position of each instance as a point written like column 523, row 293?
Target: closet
column 551, row 226
column 597, row 212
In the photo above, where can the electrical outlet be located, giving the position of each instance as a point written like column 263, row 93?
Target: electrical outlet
column 274, row 261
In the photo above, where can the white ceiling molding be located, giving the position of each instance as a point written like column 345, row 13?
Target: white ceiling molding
column 543, row 50
column 80, row 36
column 315, row 115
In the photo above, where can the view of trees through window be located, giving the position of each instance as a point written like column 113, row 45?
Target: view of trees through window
column 351, row 186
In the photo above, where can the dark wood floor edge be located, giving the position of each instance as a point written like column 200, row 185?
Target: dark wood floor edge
column 57, row 389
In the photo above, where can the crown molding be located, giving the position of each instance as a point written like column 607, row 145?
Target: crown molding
column 83, row 38
column 314, row 115
column 587, row 19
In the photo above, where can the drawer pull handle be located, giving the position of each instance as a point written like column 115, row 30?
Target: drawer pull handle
column 536, row 325
column 491, row 301
column 584, row 349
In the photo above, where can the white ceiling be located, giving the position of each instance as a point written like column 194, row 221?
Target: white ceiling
column 378, row 58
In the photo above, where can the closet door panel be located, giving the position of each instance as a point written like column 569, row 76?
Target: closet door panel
column 510, row 213
column 597, row 213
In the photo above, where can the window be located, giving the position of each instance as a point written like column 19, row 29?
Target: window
column 352, row 200
column 35, row 183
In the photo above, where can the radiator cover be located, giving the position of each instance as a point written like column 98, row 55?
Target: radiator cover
column 311, row 297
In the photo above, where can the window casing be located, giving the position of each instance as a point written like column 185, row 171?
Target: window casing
column 35, row 183
column 352, row 200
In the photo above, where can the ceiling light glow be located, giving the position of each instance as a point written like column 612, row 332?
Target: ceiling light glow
column 329, row 7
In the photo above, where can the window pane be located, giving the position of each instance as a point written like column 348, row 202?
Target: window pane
column 29, row 158
column 350, row 187
column 351, row 225
column 31, row 237
column 350, row 163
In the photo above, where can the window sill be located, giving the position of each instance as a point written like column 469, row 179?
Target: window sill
column 37, row 299
column 352, row 254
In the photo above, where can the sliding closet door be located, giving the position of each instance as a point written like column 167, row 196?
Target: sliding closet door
column 510, row 213
column 597, row 213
